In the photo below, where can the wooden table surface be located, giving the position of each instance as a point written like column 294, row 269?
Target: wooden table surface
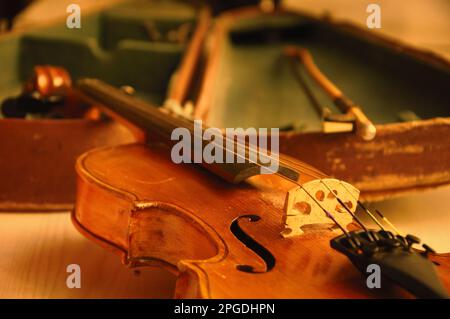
column 37, row 247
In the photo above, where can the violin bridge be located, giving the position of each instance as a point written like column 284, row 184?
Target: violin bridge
column 301, row 211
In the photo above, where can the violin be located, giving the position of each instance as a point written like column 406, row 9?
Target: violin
column 228, row 231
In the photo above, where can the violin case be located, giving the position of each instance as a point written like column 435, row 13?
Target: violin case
column 38, row 155
column 230, row 73
column 405, row 91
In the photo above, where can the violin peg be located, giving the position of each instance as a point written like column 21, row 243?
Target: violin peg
column 411, row 239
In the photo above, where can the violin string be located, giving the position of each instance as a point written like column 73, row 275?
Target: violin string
column 341, row 202
column 388, row 222
column 367, row 211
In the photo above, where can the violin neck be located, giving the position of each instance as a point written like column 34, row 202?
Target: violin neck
column 152, row 120
column 142, row 114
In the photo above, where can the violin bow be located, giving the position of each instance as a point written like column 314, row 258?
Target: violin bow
column 352, row 112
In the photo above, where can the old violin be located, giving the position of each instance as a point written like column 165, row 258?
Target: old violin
column 230, row 232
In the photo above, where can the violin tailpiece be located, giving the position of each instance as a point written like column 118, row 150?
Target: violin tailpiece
column 301, row 210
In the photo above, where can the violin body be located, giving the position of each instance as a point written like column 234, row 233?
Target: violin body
column 134, row 200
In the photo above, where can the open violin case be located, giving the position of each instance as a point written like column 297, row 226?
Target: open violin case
column 229, row 71
column 38, row 153
column 404, row 91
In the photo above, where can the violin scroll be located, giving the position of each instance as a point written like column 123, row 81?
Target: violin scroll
column 43, row 95
column 49, row 81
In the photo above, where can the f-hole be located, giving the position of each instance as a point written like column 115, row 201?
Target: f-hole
column 252, row 244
